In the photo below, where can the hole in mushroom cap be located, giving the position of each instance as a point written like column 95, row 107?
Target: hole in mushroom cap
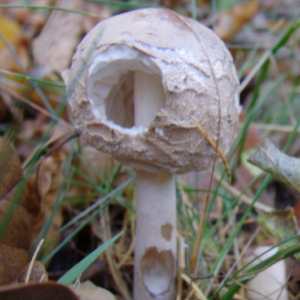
column 125, row 87
column 157, row 270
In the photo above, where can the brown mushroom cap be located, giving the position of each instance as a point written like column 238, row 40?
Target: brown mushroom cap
column 196, row 72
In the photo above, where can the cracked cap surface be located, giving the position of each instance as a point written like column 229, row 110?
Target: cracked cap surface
column 196, row 71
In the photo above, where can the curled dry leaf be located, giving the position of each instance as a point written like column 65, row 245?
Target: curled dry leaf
column 88, row 291
column 283, row 167
column 232, row 21
column 37, row 291
column 15, row 228
column 43, row 189
column 55, row 45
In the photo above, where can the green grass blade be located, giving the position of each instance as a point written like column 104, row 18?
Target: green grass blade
column 70, row 236
column 101, row 201
column 264, row 71
column 74, row 272
column 281, row 254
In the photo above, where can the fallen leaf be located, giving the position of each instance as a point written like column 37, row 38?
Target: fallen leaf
column 33, row 19
column 283, row 167
column 38, row 273
column 12, row 33
column 15, row 228
column 43, row 188
column 94, row 8
column 232, row 21
column 55, row 45
column 37, row 291
column 172, row 4
column 31, row 131
column 88, row 291
column 10, row 30
column 282, row 224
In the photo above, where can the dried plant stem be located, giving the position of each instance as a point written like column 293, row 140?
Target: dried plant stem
column 239, row 258
column 33, row 260
column 35, row 106
column 215, row 147
column 124, row 229
column 105, row 225
column 59, row 140
column 245, row 199
column 194, row 286
column 199, row 234
column 274, row 127
column 190, row 294
column 126, row 255
column 181, row 265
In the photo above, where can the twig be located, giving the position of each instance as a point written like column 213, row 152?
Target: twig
column 274, row 127
column 35, row 106
column 194, row 286
column 245, row 199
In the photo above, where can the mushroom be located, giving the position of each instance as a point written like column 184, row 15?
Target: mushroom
column 135, row 83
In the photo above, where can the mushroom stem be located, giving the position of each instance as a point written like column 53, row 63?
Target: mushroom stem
column 155, row 242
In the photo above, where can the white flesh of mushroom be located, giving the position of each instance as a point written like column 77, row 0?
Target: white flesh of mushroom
column 113, row 77
column 110, row 86
column 155, row 250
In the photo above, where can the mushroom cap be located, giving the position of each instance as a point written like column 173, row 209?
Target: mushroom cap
column 198, row 77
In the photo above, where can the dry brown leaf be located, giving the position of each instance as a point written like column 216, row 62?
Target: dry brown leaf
column 10, row 30
column 172, row 4
column 33, row 19
column 43, row 191
column 15, row 242
column 31, row 129
column 12, row 33
column 37, row 291
column 232, row 21
column 38, row 273
column 3, row 110
column 55, row 45
column 103, row 12
column 115, row 272
column 88, row 291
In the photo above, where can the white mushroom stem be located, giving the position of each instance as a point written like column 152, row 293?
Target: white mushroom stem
column 155, row 242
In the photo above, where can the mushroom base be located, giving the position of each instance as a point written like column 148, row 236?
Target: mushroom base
column 155, row 242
